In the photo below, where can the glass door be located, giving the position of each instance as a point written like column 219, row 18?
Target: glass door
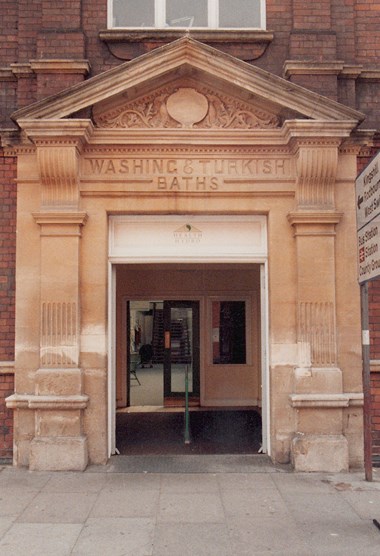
column 181, row 353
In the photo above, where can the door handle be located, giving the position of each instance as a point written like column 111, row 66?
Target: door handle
column 167, row 339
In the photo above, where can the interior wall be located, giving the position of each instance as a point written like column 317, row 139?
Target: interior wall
column 221, row 385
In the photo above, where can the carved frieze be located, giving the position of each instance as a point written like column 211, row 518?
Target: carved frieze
column 186, row 107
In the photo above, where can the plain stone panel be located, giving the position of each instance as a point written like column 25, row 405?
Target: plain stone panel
column 120, row 536
column 192, row 539
column 59, row 508
column 40, row 539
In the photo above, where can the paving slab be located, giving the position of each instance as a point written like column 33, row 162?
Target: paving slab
column 120, row 536
column 75, row 482
column 22, row 479
column 246, row 481
column 250, row 504
column 191, row 482
column 190, row 539
column 37, row 539
column 126, row 503
column 63, row 507
column 223, row 512
column 190, row 508
column 14, row 501
column 266, row 535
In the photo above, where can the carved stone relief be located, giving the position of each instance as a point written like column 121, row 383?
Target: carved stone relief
column 186, row 107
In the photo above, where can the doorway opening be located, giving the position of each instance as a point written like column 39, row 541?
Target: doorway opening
column 163, row 353
column 201, row 327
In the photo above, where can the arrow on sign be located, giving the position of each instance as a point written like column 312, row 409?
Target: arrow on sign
column 360, row 200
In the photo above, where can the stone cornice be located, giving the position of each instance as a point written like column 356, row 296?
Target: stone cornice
column 326, row 400
column 334, row 67
column 370, row 75
column 300, row 67
column 60, row 223
column 294, row 133
column 204, row 35
column 31, row 401
column 60, row 66
column 326, row 131
column 60, row 217
column 124, row 44
column 312, row 218
column 21, row 69
column 6, row 74
column 57, row 132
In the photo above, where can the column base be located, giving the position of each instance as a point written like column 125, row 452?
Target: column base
column 62, row 453
column 324, row 453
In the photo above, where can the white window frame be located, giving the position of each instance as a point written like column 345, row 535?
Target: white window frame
column 212, row 11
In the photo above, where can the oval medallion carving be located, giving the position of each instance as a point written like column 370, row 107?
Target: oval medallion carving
column 187, row 106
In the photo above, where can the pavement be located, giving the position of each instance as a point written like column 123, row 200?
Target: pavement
column 221, row 508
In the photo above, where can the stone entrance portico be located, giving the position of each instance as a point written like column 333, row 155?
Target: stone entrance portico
column 184, row 130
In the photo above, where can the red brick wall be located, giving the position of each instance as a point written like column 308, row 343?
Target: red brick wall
column 375, row 415
column 6, row 417
column 374, row 318
column 7, row 257
column 367, row 15
column 7, row 295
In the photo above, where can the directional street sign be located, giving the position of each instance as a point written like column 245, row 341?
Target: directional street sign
column 368, row 220
column 369, row 251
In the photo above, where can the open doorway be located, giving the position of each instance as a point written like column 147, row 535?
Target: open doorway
column 200, row 319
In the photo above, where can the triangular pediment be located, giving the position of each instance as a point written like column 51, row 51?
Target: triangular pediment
column 189, row 84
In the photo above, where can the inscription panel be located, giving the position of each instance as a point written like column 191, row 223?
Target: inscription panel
column 185, row 174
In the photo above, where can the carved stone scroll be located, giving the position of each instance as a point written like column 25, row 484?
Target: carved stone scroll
column 58, row 167
column 316, row 173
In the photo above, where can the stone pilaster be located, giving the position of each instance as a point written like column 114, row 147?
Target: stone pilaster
column 58, row 400
column 314, row 226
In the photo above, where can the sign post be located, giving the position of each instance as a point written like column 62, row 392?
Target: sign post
column 368, row 227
